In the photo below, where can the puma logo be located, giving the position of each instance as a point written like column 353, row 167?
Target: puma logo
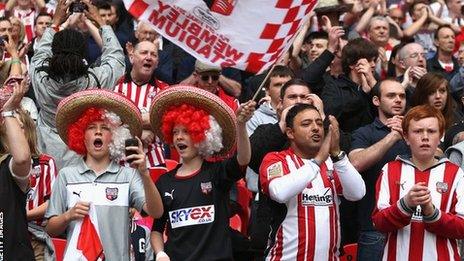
column 78, row 194
column 401, row 184
column 167, row 194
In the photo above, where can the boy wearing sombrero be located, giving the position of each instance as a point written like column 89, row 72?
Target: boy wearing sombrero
column 195, row 194
column 90, row 201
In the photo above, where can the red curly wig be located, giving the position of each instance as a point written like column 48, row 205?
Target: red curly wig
column 76, row 130
column 195, row 120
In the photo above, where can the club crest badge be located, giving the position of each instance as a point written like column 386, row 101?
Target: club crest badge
column 275, row 170
column 111, row 193
column 442, row 187
column 206, row 187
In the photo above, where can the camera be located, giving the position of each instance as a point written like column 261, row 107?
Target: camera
column 78, row 7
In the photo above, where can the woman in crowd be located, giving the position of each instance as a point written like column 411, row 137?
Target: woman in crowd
column 433, row 89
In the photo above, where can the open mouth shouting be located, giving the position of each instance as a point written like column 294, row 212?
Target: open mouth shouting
column 181, row 146
column 98, row 143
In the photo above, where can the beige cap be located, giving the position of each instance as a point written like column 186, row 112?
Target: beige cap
column 201, row 67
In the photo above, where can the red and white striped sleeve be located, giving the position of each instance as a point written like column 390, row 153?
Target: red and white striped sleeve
column 390, row 213
column 449, row 224
column 49, row 175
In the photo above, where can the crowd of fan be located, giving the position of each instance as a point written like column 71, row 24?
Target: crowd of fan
column 366, row 63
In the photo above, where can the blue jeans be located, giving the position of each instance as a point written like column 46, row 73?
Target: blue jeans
column 370, row 245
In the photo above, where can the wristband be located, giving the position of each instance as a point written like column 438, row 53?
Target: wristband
column 8, row 114
column 15, row 60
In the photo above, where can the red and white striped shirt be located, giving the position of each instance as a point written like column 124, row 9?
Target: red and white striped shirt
column 27, row 17
column 142, row 96
column 41, row 181
column 413, row 236
column 305, row 227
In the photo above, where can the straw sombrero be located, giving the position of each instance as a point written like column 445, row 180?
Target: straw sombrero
column 332, row 6
column 199, row 98
column 71, row 108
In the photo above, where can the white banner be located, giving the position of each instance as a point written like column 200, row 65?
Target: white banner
column 246, row 34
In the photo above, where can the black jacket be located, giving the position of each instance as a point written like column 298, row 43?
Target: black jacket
column 434, row 66
column 346, row 100
column 316, row 75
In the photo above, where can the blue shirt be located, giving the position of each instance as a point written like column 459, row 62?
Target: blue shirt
column 363, row 138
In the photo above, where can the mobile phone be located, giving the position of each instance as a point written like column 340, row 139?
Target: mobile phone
column 131, row 143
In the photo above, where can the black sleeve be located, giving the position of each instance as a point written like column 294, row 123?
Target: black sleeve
column 266, row 138
column 313, row 75
column 333, row 100
column 232, row 170
column 160, row 223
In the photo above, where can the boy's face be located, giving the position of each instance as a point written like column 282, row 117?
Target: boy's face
column 316, row 47
column 423, row 137
column 183, row 143
column 97, row 139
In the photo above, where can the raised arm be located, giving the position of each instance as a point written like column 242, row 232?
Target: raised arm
column 20, row 164
column 112, row 65
column 244, row 113
column 416, row 26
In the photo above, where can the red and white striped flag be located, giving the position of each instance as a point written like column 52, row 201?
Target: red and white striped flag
column 248, row 35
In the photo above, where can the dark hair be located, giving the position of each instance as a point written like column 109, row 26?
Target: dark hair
column 395, row 51
column 297, row 108
column 356, row 49
column 316, row 35
column 441, row 27
column 427, row 85
column 67, row 62
column 40, row 15
column 103, row 5
column 294, row 81
column 279, row 71
column 4, row 18
column 377, row 89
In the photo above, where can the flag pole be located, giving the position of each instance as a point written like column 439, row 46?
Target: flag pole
column 275, row 63
column 262, row 83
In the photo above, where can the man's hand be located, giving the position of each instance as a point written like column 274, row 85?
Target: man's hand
column 324, row 150
column 147, row 137
column 326, row 23
column 383, row 58
column 79, row 211
column 19, row 89
column 394, row 123
column 335, row 136
column 138, row 159
column 245, row 112
column 363, row 68
column 92, row 14
column 61, row 12
column 317, row 102
column 419, row 194
column 283, row 115
column 11, row 47
column 417, row 72
column 334, row 38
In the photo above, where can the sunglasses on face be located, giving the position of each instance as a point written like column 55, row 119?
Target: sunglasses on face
column 205, row 78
